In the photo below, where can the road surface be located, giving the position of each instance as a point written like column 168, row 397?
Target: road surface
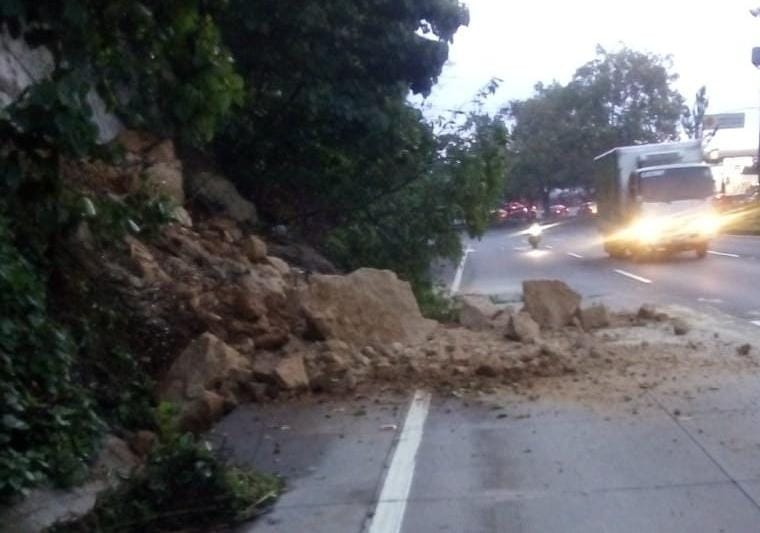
column 724, row 280
column 679, row 458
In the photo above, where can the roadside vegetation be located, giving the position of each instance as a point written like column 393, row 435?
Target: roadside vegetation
column 303, row 105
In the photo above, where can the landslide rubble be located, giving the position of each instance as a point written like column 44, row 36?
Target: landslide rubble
column 225, row 320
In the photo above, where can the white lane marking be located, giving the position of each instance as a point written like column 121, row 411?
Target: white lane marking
column 548, row 247
column 460, row 271
column 710, row 300
column 632, row 276
column 724, row 254
column 389, row 513
column 755, row 322
column 573, row 254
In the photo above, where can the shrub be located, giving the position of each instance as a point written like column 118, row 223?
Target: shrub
column 48, row 424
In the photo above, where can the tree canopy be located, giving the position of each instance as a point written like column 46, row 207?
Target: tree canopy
column 619, row 98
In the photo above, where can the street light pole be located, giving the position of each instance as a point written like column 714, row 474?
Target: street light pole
column 756, row 62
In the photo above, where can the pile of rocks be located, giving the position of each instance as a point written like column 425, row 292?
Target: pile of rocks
column 225, row 321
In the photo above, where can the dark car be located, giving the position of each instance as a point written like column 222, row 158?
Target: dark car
column 558, row 211
column 516, row 212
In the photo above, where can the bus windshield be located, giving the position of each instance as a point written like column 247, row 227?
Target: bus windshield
column 676, row 183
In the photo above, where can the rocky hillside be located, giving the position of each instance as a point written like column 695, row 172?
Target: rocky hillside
column 225, row 321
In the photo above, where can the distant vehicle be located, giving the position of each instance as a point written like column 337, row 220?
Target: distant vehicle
column 517, row 212
column 558, row 211
column 655, row 198
column 513, row 212
column 587, row 209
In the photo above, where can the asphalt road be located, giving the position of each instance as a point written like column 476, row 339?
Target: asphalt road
column 684, row 457
column 725, row 280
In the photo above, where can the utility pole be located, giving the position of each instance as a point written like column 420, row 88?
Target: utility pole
column 756, row 62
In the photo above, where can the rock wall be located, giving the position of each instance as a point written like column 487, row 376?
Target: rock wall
column 21, row 66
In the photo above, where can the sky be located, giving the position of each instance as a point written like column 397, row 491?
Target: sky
column 526, row 41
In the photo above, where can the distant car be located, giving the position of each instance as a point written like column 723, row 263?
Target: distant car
column 558, row 211
column 587, row 209
column 516, row 212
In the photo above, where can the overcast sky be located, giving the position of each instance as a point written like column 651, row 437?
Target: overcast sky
column 525, row 41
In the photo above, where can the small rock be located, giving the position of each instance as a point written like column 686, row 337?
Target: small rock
column 142, row 442
column 281, row 266
column 182, row 217
column 594, row 317
column 744, row 349
column 647, row 312
column 477, row 312
column 680, row 326
column 291, row 373
column 523, row 328
column 254, row 248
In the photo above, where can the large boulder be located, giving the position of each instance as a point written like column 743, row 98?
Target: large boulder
column 551, row 303
column 365, row 307
column 477, row 312
column 207, row 374
column 218, row 194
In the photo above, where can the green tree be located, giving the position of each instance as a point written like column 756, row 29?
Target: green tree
column 327, row 129
column 628, row 96
column 620, row 98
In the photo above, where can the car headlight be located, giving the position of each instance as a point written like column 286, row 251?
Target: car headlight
column 647, row 230
column 709, row 224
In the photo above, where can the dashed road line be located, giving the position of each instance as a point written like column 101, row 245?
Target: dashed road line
column 755, row 322
column 724, row 254
column 573, row 254
column 548, row 247
column 633, row 276
column 389, row 513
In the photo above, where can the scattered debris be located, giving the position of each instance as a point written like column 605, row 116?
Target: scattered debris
column 680, row 326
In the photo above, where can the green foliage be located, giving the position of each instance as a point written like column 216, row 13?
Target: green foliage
column 183, row 483
column 436, row 305
column 160, row 65
column 48, row 424
column 327, row 130
column 405, row 231
column 113, row 218
column 620, row 98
